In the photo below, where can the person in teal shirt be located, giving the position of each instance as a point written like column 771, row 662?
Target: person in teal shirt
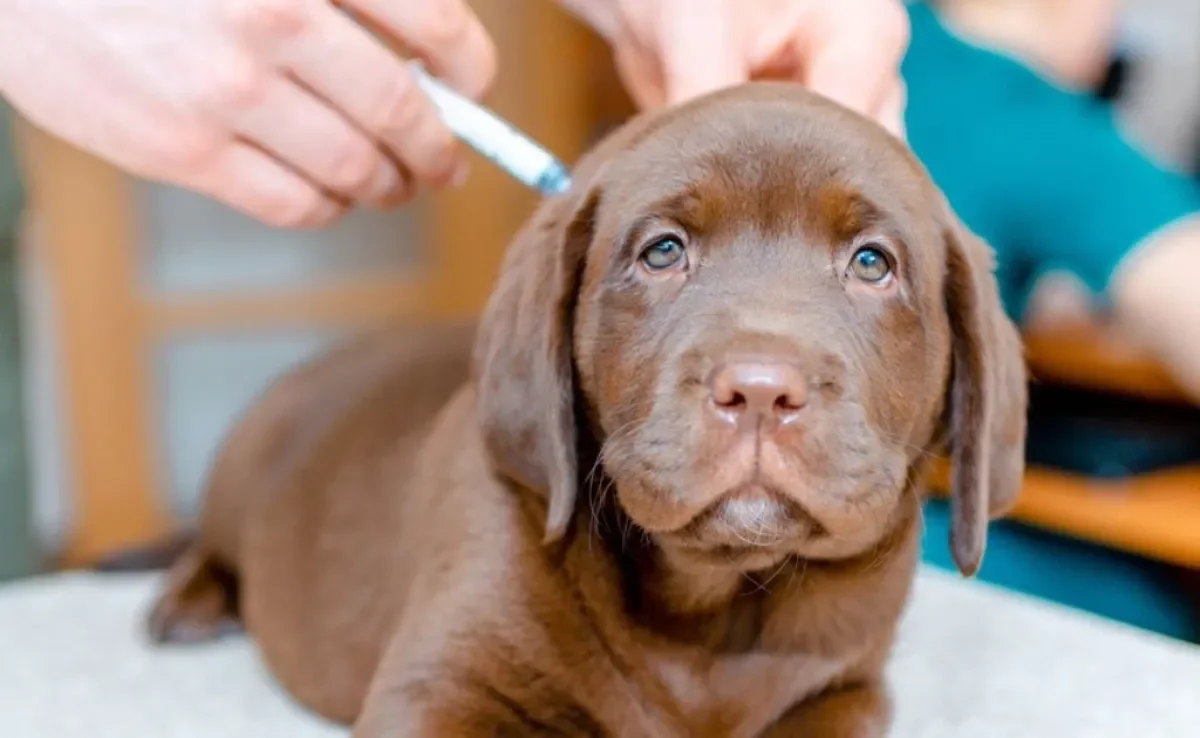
column 1041, row 173
column 1045, row 176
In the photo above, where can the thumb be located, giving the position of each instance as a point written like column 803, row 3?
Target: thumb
column 700, row 49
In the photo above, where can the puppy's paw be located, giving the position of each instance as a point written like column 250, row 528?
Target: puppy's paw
column 200, row 602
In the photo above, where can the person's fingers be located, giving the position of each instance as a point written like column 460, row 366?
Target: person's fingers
column 854, row 57
column 641, row 75
column 604, row 18
column 776, row 34
column 251, row 181
column 318, row 143
column 701, row 48
column 360, row 77
column 268, row 19
column 891, row 113
column 857, row 78
column 446, row 34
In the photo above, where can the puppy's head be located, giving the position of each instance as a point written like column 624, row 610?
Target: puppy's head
column 766, row 315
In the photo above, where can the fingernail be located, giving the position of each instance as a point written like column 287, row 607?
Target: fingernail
column 323, row 215
column 461, row 173
column 387, row 179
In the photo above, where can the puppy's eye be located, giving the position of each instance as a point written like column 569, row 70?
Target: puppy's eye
column 664, row 253
column 870, row 265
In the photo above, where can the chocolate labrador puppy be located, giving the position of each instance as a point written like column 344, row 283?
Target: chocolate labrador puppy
column 672, row 491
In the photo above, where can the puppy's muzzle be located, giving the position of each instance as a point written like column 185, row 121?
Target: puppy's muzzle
column 755, row 394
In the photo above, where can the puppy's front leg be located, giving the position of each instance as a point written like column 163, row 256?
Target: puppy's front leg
column 447, row 679
column 427, row 711
column 431, row 698
column 856, row 712
column 437, row 707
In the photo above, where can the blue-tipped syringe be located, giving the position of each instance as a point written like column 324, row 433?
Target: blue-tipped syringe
column 494, row 138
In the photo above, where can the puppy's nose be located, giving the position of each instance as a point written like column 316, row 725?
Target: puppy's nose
column 754, row 390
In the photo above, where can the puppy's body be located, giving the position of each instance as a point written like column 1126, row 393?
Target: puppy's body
column 327, row 514
column 302, row 510
column 600, row 530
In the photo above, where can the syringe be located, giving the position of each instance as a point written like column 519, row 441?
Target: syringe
column 494, row 138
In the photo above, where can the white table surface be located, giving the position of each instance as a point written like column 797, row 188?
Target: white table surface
column 971, row 661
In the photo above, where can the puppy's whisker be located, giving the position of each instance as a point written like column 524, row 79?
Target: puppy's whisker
column 602, row 453
column 921, row 452
column 633, row 408
column 764, row 585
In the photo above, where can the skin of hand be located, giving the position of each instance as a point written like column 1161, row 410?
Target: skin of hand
column 288, row 110
column 668, row 51
column 1155, row 299
column 1069, row 40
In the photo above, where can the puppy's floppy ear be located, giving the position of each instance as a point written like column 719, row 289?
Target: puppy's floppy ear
column 523, row 355
column 987, row 397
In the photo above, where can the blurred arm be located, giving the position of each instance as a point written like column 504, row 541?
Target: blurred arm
column 1156, row 295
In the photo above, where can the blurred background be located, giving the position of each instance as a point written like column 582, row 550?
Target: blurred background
column 137, row 320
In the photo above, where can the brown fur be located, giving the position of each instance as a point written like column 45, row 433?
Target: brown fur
column 564, row 531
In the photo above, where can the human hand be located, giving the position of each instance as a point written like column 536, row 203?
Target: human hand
column 668, row 51
column 288, row 110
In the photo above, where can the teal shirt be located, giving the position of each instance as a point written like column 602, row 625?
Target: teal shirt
column 1041, row 173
